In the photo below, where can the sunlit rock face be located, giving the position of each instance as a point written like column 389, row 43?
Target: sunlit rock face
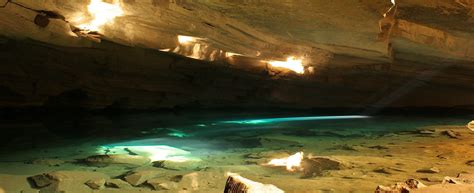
column 302, row 54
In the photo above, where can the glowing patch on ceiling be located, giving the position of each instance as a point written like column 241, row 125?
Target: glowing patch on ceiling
column 291, row 63
column 102, row 13
column 154, row 152
column 187, row 39
column 289, row 119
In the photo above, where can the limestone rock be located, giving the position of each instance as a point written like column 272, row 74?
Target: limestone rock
column 117, row 183
column 122, row 159
column 67, row 181
column 137, row 178
column 397, row 188
column 446, row 188
column 460, row 179
column 470, row 125
column 41, row 180
column 452, row 134
column 316, row 166
column 160, row 184
column 405, row 187
column 384, row 170
column 236, row 183
column 180, row 166
column 427, row 131
column 470, row 162
column 96, row 184
column 431, row 170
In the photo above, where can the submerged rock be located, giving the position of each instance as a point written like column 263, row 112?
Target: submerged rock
column 46, row 161
column 96, row 184
column 179, row 166
column 431, row 170
column 401, row 187
column 389, row 170
column 41, row 180
column 122, row 159
column 452, row 134
column 117, row 183
column 470, row 163
column 66, row 181
column 427, row 131
column 160, row 184
column 238, row 184
column 316, row 166
column 137, row 178
column 462, row 178
column 446, row 188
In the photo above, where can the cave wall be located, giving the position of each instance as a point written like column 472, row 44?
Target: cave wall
column 109, row 75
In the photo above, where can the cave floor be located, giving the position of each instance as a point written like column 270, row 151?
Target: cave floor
column 374, row 151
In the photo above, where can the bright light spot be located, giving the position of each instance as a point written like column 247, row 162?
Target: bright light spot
column 154, row 152
column 187, row 39
column 291, row 63
column 291, row 163
column 289, row 119
column 196, row 53
column 231, row 54
column 255, row 187
column 102, row 13
column 393, row 2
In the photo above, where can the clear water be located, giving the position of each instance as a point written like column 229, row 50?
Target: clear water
column 200, row 131
column 222, row 142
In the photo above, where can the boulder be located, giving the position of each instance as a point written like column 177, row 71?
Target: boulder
column 122, row 159
column 470, row 125
column 117, row 183
column 139, row 177
column 96, row 184
column 236, row 183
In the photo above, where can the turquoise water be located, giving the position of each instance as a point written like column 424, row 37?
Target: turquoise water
column 198, row 132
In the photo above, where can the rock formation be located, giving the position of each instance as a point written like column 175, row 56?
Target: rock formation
column 419, row 54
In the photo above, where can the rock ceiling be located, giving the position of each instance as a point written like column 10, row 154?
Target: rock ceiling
column 313, row 29
column 323, row 34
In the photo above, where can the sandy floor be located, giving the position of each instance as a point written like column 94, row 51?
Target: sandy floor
column 370, row 161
